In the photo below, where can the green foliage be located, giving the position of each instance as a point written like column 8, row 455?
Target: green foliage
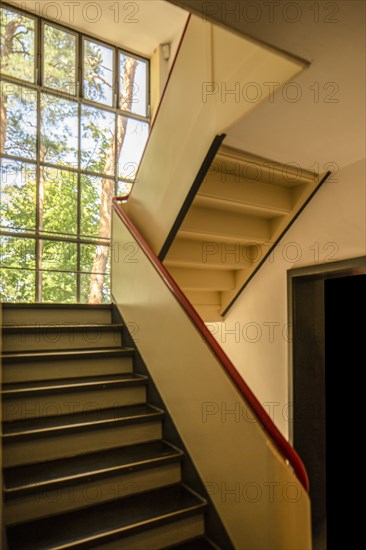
column 17, row 45
column 60, row 188
column 59, row 59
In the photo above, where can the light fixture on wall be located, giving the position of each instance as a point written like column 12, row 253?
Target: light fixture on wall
column 165, row 51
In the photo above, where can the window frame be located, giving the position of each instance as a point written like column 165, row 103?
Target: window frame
column 38, row 235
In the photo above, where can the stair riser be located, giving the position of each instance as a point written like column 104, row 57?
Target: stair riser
column 72, row 368
column 33, row 450
column 160, row 537
column 65, row 339
column 91, row 492
column 33, row 316
column 73, row 402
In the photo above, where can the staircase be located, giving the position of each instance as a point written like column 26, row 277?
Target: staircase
column 85, row 461
column 237, row 218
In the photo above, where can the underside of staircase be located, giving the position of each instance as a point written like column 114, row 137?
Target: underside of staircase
column 242, row 209
column 86, row 462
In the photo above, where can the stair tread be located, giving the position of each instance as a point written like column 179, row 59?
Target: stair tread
column 83, row 419
column 66, row 354
column 86, row 382
column 20, row 479
column 64, row 326
column 200, row 543
column 119, row 517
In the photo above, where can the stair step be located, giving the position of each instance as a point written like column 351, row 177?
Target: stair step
column 56, row 327
column 60, row 355
column 201, row 543
column 25, row 389
column 29, row 337
column 254, row 168
column 47, row 475
column 28, row 367
column 21, row 429
column 51, row 438
column 218, row 226
column 56, row 313
column 59, row 397
column 109, row 521
column 34, row 491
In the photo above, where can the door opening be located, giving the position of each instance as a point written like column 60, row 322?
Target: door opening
column 323, row 301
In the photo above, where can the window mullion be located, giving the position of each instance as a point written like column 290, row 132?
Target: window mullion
column 79, row 64
column 38, row 243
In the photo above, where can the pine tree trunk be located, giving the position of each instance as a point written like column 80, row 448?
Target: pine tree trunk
column 3, row 119
column 101, row 256
column 11, row 29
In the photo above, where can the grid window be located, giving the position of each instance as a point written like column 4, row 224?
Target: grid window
column 74, row 125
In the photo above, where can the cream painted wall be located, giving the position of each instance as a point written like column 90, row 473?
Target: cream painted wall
column 200, row 398
column 159, row 69
column 258, row 343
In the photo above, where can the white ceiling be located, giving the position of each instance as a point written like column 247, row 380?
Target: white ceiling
column 306, row 131
column 138, row 26
column 311, row 130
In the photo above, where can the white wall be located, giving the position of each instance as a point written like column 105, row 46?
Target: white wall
column 335, row 215
column 160, row 67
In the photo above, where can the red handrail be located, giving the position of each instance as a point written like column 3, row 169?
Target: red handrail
column 283, row 445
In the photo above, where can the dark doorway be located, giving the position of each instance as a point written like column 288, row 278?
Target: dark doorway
column 324, row 302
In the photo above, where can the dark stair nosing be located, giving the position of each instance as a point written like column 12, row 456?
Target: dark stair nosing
column 105, row 353
column 79, row 327
column 199, row 543
column 87, row 383
column 88, row 420
column 51, row 475
column 108, row 521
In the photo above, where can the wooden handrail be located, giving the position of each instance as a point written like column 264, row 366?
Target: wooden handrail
column 287, row 451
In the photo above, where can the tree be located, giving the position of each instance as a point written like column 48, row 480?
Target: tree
column 101, row 257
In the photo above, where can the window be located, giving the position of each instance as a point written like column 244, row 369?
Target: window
column 74, row 124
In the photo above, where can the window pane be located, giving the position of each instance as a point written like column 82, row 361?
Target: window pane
column 135, row 135
column 59, row 287
column 98, row 72
column 59, row 255
column 97, row 140
column 17, row 252
column 60, row 200
column 59, row 139
column 19, row 120
column 17, row 285
column 88, row 282
column 17, row 195
column 17, row 45
column 132, row 85
column 123, row 188
column 96, row 201
column 94, row 258
column 59, row 61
